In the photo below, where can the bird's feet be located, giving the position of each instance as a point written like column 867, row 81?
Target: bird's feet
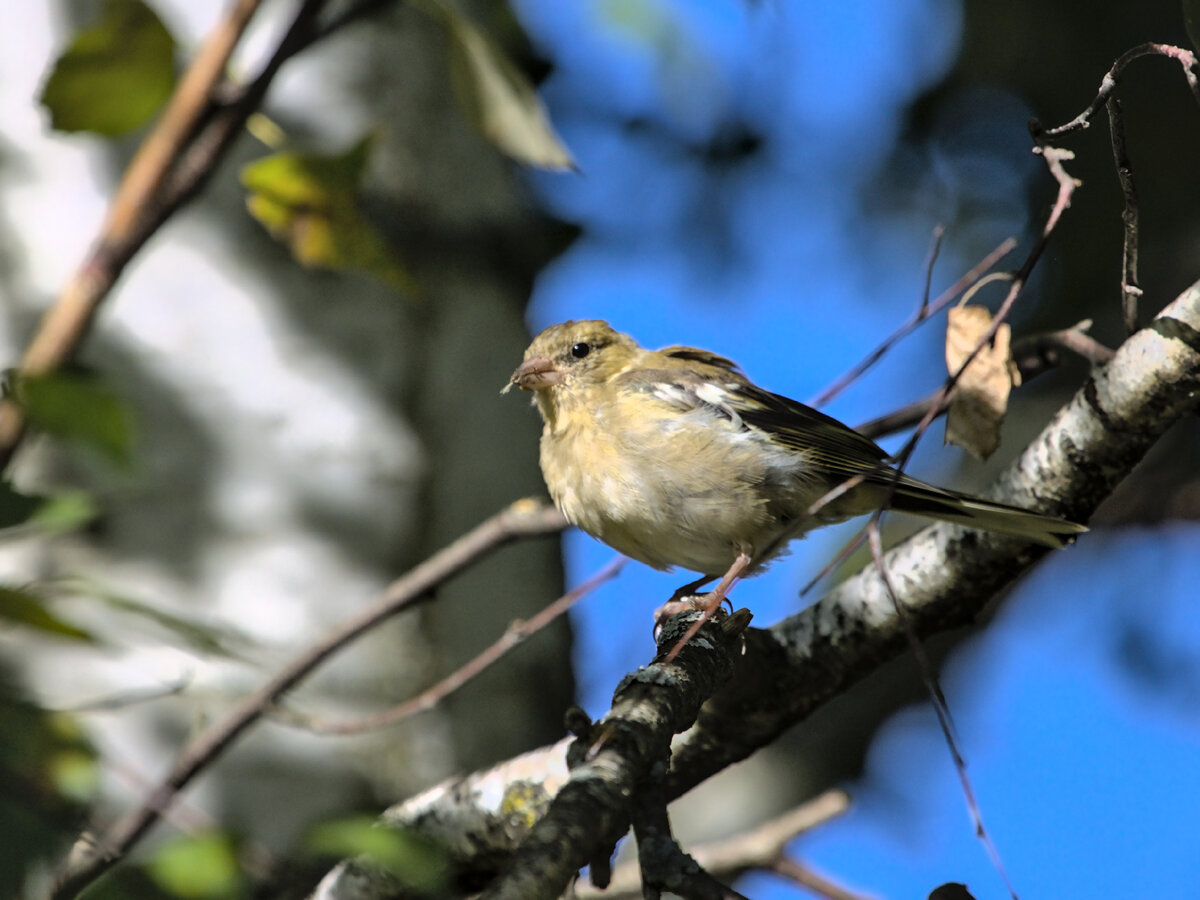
column 689, row 603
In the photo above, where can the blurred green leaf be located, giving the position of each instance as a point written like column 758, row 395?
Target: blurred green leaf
column 16, row 508
column 38, row 820
column 310, row 203
column 1191, row 21
column 115, row 75
column 25, row 608
column 500, row 99
column 54, row 514
column 200, row 866
column 416, row 863
column 78, row 409
column 74, row 774
column 65, row 512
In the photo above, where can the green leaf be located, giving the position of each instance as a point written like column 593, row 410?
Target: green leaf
column 65, row 512
column 55, row 514
column 78, row 409
column 1191, row 21
column 417, row 864
column 22, row 607
column 201, row 866
column 500, row 100
column 74, row 774
column 39, row 805
column 16, row 508
column 310, row 203
column 115, row 75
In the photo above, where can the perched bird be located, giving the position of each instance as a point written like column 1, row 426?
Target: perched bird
column 675, row 458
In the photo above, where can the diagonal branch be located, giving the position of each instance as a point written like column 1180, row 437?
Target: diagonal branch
column 173, row 164
column 515, row 635
column 92, row 858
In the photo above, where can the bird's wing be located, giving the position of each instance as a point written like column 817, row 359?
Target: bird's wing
column 704, row 357
column 837, row 447
column 703, row 380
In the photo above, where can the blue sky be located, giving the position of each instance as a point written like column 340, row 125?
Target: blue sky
column 1076, row 709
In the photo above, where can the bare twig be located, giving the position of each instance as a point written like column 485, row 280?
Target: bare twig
column 1033, row 355
column 1108, row 84
column 523, row 519
column 1131, row 290
column 925, row 310
column 1037, row 353
column 516, row 633
column 935, row 249
column 812, row 881
column 905, row 417
column 940, row 707
column 163, row 146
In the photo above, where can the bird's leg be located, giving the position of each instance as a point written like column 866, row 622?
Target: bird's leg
column 713, row 599
column 718, row 594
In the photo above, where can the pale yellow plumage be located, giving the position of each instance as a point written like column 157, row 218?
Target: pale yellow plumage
column 674, row 458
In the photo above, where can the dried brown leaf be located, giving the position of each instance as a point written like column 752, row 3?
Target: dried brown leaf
column 980, row 397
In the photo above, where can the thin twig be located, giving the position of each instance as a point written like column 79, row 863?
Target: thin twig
column 1034, row 355
column 516, row 634
column 523, row 519
column 925, row 310
column 812, row 881
column 935, row 249
column 940, row 707
column 1108, row 84
column 1077, row 340
column 1131, row 290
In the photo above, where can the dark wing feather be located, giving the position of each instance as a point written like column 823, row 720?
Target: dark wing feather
column 829, row 443
column 695, row 354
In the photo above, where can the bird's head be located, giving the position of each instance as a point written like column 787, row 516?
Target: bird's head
column 566, row 359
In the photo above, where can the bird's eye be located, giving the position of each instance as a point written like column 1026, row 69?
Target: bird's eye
column 580, row 350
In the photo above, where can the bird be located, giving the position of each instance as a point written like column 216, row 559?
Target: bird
column 675, row 458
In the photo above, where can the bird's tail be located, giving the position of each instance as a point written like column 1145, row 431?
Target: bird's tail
column 920, row 499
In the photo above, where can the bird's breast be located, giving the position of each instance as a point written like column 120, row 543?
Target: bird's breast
column 685, row 490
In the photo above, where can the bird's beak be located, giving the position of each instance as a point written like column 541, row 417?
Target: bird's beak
column 535, row 374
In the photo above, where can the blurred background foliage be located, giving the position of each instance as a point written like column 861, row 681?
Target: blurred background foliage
column 291, row 398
